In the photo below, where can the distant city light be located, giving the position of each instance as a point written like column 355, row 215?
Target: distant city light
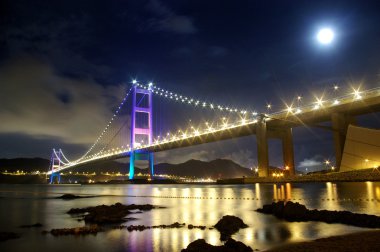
column 325, row 36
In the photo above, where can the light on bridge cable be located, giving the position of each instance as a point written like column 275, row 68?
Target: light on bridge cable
column 356, row 94
column 190, row 101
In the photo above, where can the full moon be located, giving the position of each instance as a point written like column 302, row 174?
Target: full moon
column 325, row 36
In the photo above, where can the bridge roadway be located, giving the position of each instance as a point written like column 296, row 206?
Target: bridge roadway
column 279, row 125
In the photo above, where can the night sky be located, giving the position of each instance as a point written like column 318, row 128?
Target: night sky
column 65, row 65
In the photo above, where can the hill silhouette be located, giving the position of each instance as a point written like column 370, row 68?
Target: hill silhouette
column 219, row 168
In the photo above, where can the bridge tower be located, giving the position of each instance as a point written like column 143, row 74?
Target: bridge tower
column 55, row 163
column 141, row 127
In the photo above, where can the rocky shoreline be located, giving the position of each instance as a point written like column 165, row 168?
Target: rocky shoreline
column 362, row 241
column 104, row 214
column 291, row 211
column 100, row 217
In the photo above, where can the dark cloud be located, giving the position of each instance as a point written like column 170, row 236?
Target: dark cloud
column 39, row 103
column 218, row 51
column 165, row 19
column 208, row 152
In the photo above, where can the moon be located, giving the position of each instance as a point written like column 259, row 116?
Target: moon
column 325, row 36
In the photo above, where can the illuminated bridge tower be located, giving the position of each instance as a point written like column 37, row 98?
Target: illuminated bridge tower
column 55, row 163
column 141, row 127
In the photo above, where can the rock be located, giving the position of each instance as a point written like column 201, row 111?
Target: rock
column 295, row 211
column 142, row 227
column 108, row 214
column 231, row 245
column 93, row 229
column 4, row 236
column 31, row 226
column 229, row 225
column 236, row 246
column 291, row 211
column 68, row 196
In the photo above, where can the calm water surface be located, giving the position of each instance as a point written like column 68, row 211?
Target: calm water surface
column 192, row 204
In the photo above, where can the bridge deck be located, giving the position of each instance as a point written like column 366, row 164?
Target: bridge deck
column 369, row 103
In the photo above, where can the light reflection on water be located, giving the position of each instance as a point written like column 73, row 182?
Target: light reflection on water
column 192, row 204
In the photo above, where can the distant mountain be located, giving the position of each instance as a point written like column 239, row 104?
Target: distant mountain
column 24, row 164
column 219, row 168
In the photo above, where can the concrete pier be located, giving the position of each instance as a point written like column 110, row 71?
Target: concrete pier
column 288, row 150
column 262, row 147
column 340, row 124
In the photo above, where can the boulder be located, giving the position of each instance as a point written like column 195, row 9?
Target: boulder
column 68, row 196
column 93, row 229
column 231, row 245
column 104, row 214
column 291, row 211
column 142, row 227
column 229, row 225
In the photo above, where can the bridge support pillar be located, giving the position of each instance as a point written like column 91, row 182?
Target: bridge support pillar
column 140, row 155
column 132, row 165
column 142, row 104
column 151, row 164
column 340, row 124
column 53, row 175
column 262, row 147
column 288, row 150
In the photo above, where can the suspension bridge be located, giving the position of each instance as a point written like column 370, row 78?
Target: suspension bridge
column 142, row 143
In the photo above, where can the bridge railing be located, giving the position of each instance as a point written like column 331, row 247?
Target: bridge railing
column 328, row 103
column 320, row 104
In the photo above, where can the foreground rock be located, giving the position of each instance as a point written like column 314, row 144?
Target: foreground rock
column 143, row 227
column 231, row 245
column 191, row 226
column 93, row 229
column 291, row 211
column 109, row 214
column 31, row 226
column 70, row 196
column 229, row 225
column 4, row 236
column 363, row 241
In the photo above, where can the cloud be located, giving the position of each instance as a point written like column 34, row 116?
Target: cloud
column 242, row 157
column 37, row 102
column 165, row 19
column 217, row 51
column 309, row 162
column 183, row 155
column 312, row 164
column 57, row 41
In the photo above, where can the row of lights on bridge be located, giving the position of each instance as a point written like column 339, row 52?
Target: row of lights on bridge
column 182, row 135
column 191, row 101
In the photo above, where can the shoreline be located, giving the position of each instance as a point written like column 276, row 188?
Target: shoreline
column 347, row 176
column 360, row 241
